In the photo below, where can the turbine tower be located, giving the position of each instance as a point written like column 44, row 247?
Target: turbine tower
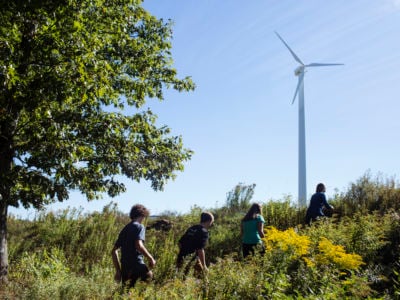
column 299, row 72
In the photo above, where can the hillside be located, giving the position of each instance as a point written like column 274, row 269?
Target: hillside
column 354, row 254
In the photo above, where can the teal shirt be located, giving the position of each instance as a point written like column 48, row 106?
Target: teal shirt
column 250, row 231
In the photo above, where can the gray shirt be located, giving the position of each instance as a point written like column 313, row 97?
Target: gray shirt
column 130, row 256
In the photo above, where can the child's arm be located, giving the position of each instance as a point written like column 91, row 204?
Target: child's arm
column 115, row 259
column 260, row 228
column 202, row 257
column 142, row 249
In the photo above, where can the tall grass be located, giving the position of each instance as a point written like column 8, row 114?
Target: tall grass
column 369, row 194
column 66, row 255
column 283, row 214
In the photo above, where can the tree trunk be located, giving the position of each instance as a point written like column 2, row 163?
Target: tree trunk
column 6, row 156
column 3, row 243
column 7, row 152
column 5, row 184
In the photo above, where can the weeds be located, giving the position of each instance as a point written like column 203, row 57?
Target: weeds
column 65, row 255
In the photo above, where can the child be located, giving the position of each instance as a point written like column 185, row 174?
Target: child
column 252, row 230
column 194, row 241
column 130, row 241
column 317, row 204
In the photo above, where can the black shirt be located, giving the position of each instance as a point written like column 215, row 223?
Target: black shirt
column 195, row 238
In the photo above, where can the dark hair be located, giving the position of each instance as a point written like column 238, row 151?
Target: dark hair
column 320, row 188
column 206, row 216
column 254, row 209
column 138, row 211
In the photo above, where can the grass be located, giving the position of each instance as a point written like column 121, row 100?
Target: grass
column 354, row 255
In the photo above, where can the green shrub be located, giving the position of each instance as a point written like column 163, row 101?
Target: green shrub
column 282, row 214
column 369, row 194
column 66, row 255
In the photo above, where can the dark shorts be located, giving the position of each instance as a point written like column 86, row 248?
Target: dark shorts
column 250, row 249
column 139, row 271
column 310, row 219
column 186, row 261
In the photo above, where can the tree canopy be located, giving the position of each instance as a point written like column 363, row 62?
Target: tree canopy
column 68, row 70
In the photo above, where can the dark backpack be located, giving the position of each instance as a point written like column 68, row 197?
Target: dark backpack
column 192, row 240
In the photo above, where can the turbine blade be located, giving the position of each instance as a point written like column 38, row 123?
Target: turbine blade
column 322, row 65
column 291, row 51
column 301, row 78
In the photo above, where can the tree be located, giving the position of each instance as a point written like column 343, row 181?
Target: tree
column 68, row 71
column 239, row 197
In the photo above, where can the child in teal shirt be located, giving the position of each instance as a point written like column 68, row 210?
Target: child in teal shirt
column 252, row 230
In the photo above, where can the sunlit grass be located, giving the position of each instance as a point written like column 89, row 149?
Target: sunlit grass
column 66, row 255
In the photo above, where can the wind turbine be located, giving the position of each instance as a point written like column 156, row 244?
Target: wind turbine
column 300, row 71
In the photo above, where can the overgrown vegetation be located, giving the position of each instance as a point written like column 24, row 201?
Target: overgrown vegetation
column 74, row 79
column 353, row 255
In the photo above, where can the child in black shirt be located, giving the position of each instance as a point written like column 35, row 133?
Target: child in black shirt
column 194, row 241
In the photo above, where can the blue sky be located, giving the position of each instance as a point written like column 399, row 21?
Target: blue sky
column 240, row 121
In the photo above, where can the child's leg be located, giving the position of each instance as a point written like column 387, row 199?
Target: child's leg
column 247, row 249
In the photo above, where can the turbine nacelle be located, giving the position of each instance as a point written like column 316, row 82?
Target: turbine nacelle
column 299, row 70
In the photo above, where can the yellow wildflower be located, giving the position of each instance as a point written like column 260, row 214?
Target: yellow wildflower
column 288, row 241
column 330, row 253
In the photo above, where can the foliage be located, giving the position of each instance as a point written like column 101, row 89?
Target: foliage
column 369, row 194
column 282, row 214
column 353, row 257
column 165, row 246
column 288, row 241
column 396, row 280
column 231, row 279
column 69, row 70
column 65, row 66
column 335, row 254
column 293, row 255
column 240, row 196
column 85, row 239
column 390, row 252
column 48, row 277
column 365, row 235
column 224, row 240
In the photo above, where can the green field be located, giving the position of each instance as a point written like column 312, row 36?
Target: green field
column 353, row 255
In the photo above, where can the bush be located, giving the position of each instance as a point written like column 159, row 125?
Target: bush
column 66, row 255
column 45, row 275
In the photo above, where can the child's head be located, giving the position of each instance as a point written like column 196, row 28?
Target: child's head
column 255, row 209
column 138, row 211
column 206, row 217
column 320, row 188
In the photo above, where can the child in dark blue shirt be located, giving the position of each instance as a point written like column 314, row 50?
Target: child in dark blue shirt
column 130, row 242
column 317, row 203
